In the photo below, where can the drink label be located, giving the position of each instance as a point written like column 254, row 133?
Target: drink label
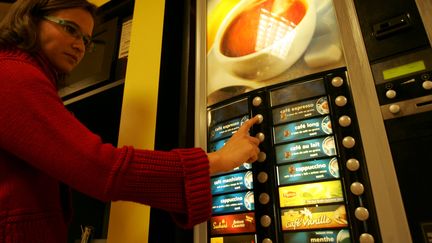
column 232, row 183
column 330, row 236
column 327, row 216
column 305, row 150
column 312, row 193
column 301, row 110
column 302, row 129
column 226, row 129
column 308, row 171
column 235, row 202
column 233, row 224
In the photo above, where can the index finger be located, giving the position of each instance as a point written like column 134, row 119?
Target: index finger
column 248, row 124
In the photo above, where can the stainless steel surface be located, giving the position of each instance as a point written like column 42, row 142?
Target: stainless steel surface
column 425, row 9
column 200, row 231
column 93, row 92
column 408, row 107
column 392, row 219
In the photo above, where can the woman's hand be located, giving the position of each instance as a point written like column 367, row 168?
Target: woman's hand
column 240, row 148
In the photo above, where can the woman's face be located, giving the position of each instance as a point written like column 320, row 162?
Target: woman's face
column 63, row 49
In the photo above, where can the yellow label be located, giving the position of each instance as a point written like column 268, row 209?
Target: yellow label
column 329, row 216
column 216, row 240
column 312, row 193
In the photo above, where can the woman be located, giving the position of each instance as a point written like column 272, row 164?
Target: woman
column 42, row 145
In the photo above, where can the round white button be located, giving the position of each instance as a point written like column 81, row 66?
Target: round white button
column 348, row 142
column 394, row 108
column 427, row 85
column 361, row 213
column 344, row 121
column 337, row 81
column 262, row 177
column 260, row 118
column 366, row 238
column 267, row 240
column 341, row 101
column 257, row 101
column 357, row 188
column 390, row 94
column 265, row 221
column 260, row 136
column 264, row 198
column 262, row 157
column 353, row 164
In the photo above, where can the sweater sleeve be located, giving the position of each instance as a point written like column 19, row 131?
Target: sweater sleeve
column 37, row 128
column 177, row 180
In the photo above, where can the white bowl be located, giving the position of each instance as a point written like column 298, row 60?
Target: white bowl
column 271, row 60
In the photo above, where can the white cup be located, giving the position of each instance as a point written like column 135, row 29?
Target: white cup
column 269, row 60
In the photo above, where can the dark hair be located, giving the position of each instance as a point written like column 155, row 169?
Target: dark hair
column 19, row 26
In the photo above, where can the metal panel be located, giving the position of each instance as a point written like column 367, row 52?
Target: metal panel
column 392, row 219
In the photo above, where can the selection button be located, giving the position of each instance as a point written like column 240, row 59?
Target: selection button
column 337, row 81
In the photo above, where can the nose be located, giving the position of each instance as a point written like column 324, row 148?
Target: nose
column 78, row 45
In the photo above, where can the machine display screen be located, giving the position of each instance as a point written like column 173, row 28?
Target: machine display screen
column 404, row 70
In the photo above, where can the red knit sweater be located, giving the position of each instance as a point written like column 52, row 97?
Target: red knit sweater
column 42, row 144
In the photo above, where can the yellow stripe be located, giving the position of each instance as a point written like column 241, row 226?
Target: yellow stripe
column 99, row 2
column 129, row 221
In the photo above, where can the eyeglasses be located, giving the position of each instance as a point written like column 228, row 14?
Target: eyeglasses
column 72, row 29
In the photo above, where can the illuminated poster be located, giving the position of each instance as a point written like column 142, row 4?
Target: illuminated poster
column 315, row 217
column 253, row 44
column 312, row 193
column 232, row 224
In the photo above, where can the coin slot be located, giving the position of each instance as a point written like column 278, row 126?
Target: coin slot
column 424, row 103
column 391, row 26
column 408, row 81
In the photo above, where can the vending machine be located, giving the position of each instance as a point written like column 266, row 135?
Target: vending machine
column 326, row 171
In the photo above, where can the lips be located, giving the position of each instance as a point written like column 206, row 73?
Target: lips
column 73, row 57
